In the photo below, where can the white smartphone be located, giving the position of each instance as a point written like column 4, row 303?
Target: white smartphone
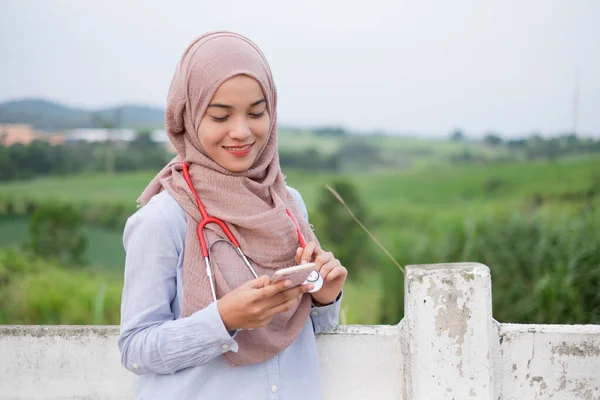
column 297, row 274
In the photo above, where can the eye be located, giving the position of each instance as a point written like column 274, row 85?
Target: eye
column 257, row 115
column 219, row 119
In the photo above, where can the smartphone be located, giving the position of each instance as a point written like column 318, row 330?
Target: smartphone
column 297, row 274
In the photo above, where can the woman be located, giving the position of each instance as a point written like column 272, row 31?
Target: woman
column 224, row 332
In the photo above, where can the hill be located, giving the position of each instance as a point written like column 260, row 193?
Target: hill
column 51, row 116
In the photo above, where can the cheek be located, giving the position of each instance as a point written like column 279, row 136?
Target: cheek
column 261, row 127
column 210, row 134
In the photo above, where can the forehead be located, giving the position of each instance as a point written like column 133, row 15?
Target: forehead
column 239, row 89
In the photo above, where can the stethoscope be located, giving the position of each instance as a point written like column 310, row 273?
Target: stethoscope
column 314, row 278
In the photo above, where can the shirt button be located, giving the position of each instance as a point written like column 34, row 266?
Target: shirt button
column 273, row 388
column 135, row 366
column 315, row 313
column 225, row 347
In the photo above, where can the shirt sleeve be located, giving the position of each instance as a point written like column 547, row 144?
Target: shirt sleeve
column 151, row 340
column 325, row 319
column 299, row 201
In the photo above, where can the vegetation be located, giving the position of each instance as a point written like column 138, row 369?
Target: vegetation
column 39, row 158
column 55, row 232
column 535, row 224
column 527, row 207
column 326, row 150
column 34, row 290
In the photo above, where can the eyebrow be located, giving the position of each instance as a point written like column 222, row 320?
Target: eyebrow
column 218, row 105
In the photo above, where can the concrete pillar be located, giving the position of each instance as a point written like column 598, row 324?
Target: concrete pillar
column 450, row 333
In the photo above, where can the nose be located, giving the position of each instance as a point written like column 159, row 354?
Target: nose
column 240, row 130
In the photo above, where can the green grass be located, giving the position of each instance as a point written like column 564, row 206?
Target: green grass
column 14, row 231
column 36, row 291
column 122, row 188
column 104, row 248
column 413, row 152
column 524, row 220
column 450, row 187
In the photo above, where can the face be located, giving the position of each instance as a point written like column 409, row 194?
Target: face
column 236, row 124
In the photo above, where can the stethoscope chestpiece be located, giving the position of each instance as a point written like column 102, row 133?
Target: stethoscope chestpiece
column 316, row 279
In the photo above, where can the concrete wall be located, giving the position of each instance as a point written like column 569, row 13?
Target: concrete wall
column 447, row 347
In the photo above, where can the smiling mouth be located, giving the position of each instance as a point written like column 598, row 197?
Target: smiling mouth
column 239, row 150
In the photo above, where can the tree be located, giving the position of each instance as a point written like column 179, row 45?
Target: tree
column 491, row 139
column 335, row 131
column 56, row 233
column 458, row 136
column 143, row 141
column 338, row 230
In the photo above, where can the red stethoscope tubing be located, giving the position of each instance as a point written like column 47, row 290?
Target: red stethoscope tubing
column 206, row 219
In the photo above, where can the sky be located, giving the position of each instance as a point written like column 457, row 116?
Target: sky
column 410, row 67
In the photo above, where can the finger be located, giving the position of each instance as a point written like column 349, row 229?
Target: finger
column 337, row 272
column 299, row 251
column 308, row 253
column 271, row 289
column 327, row 268
column 288, row 294
column 283, row 307
column 258, row 283
column 322, row 259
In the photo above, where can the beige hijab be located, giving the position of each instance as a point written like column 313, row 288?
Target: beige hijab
column 252, row 203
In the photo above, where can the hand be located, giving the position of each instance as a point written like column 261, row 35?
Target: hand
column 256, row 302
column 331, row 270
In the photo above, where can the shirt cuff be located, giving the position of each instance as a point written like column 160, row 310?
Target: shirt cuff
column 219, row 333
column 337, row 299
column 325, row 318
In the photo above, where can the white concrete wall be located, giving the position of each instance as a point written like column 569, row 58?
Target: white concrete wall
column 62, row 362
column 447, row 347
column 550, row 361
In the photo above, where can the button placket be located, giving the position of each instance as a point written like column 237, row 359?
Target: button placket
column 273, row 378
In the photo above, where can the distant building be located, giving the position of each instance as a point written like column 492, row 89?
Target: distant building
column 100, row 135
column 22, row 133
column 160, row 136
column 11, row 134
column 116, row 135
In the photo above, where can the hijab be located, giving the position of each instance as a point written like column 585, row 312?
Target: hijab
column 253, row 203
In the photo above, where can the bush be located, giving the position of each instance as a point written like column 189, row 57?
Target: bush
column 38, row 291
column 545, row 267
column 56, row 233
column 339, row 232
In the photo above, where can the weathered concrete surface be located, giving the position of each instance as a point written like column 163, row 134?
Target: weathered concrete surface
column 362, row 362
column 447, row 347
column 448, row 314
column 550, row 361
column 62, row 362
column 82, row 362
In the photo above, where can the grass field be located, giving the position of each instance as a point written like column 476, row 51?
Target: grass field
column 104, row 248
column 527, row 220
column 479, row 186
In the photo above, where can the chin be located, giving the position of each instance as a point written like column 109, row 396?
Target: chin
column 237, row 167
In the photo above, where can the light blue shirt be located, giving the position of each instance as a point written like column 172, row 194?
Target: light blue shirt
column 182, row 358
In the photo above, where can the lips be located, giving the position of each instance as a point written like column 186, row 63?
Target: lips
column 239, row 151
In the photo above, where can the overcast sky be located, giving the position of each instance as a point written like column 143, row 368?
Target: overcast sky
column 419, row 66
